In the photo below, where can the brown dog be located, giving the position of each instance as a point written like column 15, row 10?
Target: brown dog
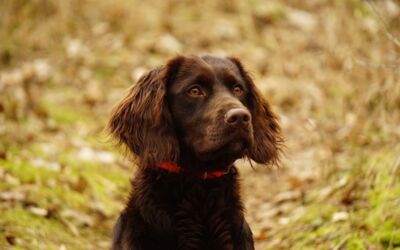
column 187, row 122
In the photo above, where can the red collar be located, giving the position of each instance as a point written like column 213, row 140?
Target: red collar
column 174, row 168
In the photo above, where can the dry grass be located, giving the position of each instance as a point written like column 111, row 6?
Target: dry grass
column 331, row 69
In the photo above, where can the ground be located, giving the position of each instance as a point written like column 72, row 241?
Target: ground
column 330, row 69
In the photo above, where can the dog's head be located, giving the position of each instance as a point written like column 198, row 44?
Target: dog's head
column 204, row 108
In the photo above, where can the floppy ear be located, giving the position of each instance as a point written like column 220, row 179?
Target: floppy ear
column 267, row 132
column 142, row 120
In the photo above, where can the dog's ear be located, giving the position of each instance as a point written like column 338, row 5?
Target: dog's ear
column 142, row 120
column 267, row 132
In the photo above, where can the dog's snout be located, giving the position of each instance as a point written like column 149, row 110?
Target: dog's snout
column 237, row 117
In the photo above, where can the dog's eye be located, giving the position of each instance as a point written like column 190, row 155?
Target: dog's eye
column 237, row 91
column 195, row 92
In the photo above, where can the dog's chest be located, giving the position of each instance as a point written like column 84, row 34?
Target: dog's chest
column 204, row 212
column 204, row 198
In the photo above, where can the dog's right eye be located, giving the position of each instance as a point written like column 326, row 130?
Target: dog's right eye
column 195, row 92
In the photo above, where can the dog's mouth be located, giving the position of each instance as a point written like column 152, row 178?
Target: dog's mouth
column 229, row 145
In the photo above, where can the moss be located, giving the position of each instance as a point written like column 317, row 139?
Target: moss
column 64, row 114
column 355, row 243
column 390, row 238
column 104, row 71
column 27, row 173
column 61, row 195
column 374, row 218
column 59, row 189
column 34, row 232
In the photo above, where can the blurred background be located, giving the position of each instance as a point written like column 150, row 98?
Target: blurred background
column 331, row 70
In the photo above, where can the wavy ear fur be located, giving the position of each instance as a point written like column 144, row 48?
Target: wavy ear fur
column 267, row 132
column 142, row 121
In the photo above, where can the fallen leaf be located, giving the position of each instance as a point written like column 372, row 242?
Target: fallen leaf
column 262, row 234
column 11, row 179
column 79, row 217
column 284, row 221
column 11, row 239
column 137, row 73
column 168, row 44
column 12, row 196
column 90, row 154
column 3, row 155
column 74, row 230
column 340, row 216
column 104, row 244
column 41, row 163
column 302, row 19
column 295, row 182
column 392, row 8
column 93, row 92
column 38, row 211
column 287, row 196
column 2, row 174
column 325, row 192
column 342, row 182
column 75, row 49
column 80, row 185
column 41, row 69
column 100, row 28
column 225, row 30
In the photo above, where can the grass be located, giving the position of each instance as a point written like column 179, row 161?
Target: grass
column 54, row 179
column 329, row 68
column 89, row 190
column 370, row 198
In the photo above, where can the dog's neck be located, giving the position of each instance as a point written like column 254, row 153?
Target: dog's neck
column 189, row 160
column 200, row 174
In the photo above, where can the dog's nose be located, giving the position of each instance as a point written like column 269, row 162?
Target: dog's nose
column 237, row 117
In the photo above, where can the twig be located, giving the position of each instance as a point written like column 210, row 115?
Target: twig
column 395, row 171
column 375, row 65
column 390, row 36
column 341, row 243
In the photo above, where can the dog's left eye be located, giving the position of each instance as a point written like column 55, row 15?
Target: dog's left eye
column 237, row 90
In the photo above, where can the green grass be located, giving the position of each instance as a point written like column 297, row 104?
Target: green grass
column 93, row 189
column 373, row 215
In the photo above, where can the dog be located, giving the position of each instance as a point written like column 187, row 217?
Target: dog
column 186, row 123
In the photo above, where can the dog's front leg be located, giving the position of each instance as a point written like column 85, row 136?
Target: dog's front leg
column 123, row 238
column 245, row 237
